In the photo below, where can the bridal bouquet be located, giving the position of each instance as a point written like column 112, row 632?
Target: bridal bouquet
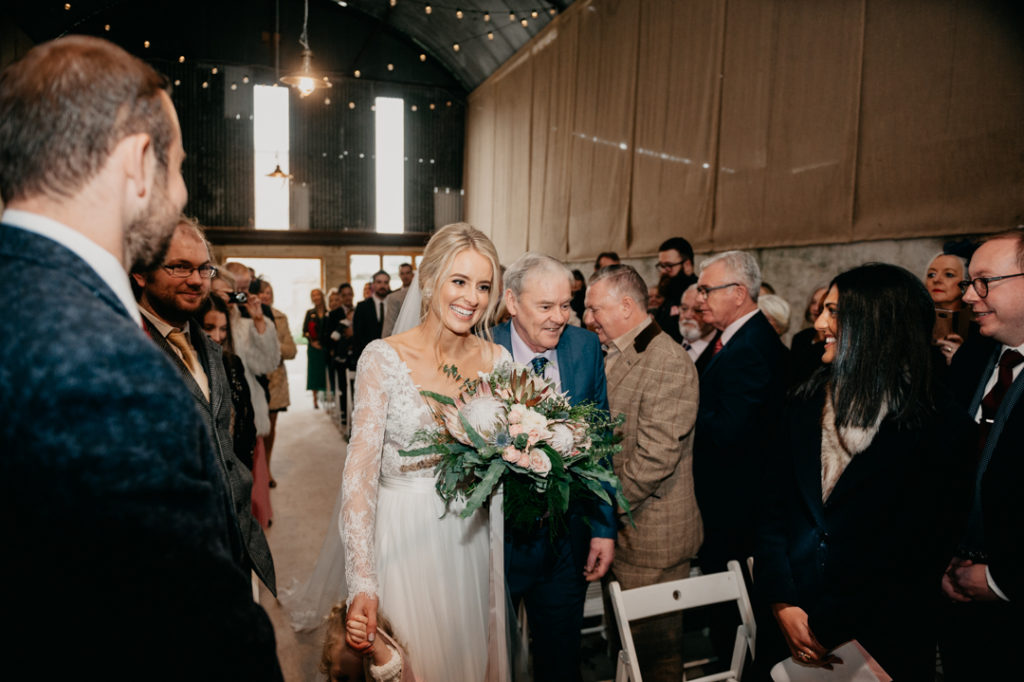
column 512, row 427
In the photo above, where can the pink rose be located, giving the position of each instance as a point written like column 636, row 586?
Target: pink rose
column 539, row 462
column 511, row 454
column 538, row 434
column 515, row 429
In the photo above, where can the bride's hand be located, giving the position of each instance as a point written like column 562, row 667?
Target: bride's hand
column 361, row 625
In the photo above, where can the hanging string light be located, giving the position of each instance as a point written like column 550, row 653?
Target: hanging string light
column 306, row 81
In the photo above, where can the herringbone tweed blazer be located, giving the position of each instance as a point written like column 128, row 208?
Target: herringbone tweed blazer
column 654, row 384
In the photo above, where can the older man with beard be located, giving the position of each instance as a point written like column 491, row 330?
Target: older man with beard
column 116, row 528
column 697, row 334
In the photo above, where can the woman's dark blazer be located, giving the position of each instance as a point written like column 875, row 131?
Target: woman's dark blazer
column 867, row 564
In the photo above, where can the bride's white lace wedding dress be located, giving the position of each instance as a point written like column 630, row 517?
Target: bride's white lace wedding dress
column 439, row 577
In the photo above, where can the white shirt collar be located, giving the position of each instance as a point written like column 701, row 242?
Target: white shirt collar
column 731, row 330
column 522, row 353
column 103, row 263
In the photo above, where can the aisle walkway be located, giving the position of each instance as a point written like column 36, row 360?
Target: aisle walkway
column 307, row 463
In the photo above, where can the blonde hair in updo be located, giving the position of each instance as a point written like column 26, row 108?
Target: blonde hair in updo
column 443, row 247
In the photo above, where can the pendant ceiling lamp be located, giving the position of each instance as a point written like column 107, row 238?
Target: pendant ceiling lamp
column 305, row 80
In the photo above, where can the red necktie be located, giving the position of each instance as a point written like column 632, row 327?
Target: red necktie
column 990, row 403
column 718, row 344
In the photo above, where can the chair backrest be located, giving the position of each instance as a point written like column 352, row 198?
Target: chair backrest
column 679, row 595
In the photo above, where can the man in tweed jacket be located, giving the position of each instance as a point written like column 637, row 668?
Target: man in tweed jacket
column 652, row 381
column 168, row 304
column 115, row 527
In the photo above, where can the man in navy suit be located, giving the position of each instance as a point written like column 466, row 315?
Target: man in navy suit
column 985, row 581
column 368, row 319
column 115, row 527
column 741, row 390
column 551, row 577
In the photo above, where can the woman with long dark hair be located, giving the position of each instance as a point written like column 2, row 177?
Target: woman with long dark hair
column 869, row 488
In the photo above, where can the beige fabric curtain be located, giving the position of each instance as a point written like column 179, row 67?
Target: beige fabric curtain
column 512, row 113
column 678, row 100
column 554, row 97
column 603, row 126
column 750, row 123
column 788, row 139
column 479, row 159
column 942, row 122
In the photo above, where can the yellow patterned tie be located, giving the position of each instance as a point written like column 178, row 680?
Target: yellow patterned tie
column 178, row 340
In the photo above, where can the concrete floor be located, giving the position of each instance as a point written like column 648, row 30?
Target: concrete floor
column 307, row 463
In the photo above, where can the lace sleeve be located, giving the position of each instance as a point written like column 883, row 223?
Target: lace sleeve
column 357, row 522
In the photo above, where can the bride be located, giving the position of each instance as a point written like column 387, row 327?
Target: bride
column 438, row 577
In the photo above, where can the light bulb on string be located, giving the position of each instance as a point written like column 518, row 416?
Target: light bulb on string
column 458, row 14
column 423, row 57
column 490, row 35
column 306, row 81
column 511, row 16
column 525, row 23
column 533, row 14
column 455, row 47
column 357, row 73
column 428, row 9
column 487, row 16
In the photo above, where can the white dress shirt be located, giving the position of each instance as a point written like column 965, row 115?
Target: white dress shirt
column 522, row 354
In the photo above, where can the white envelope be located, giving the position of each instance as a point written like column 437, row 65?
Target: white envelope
column 857, row 666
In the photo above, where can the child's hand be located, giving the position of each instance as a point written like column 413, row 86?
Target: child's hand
column 355, row 631
column 362, row 616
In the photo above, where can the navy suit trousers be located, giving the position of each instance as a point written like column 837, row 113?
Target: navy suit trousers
column 548, row 576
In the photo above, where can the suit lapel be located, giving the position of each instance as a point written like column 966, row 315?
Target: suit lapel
column 208, row 355
column 568, row 372
column 631, row 355
column 186, row 375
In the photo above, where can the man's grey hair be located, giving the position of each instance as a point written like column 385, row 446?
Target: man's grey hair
column 532, row 263
column 743, row 268
column 623, row 281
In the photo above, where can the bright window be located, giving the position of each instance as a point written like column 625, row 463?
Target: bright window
column 270, row 142
column 390, row 158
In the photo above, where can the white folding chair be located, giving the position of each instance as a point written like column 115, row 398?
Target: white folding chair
column 678, row 595
column 593, row 608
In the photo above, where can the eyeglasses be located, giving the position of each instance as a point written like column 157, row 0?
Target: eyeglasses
column 705, row 291
column 181, row 271
column 669, row 266
column 980, row 284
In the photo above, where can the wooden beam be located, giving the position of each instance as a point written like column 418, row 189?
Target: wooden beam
column 246, row 237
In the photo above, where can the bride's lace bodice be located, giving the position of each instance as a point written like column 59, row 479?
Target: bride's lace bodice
column 388, row 413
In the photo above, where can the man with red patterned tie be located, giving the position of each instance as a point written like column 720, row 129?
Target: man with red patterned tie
column 985, row 581
column 741, row 388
